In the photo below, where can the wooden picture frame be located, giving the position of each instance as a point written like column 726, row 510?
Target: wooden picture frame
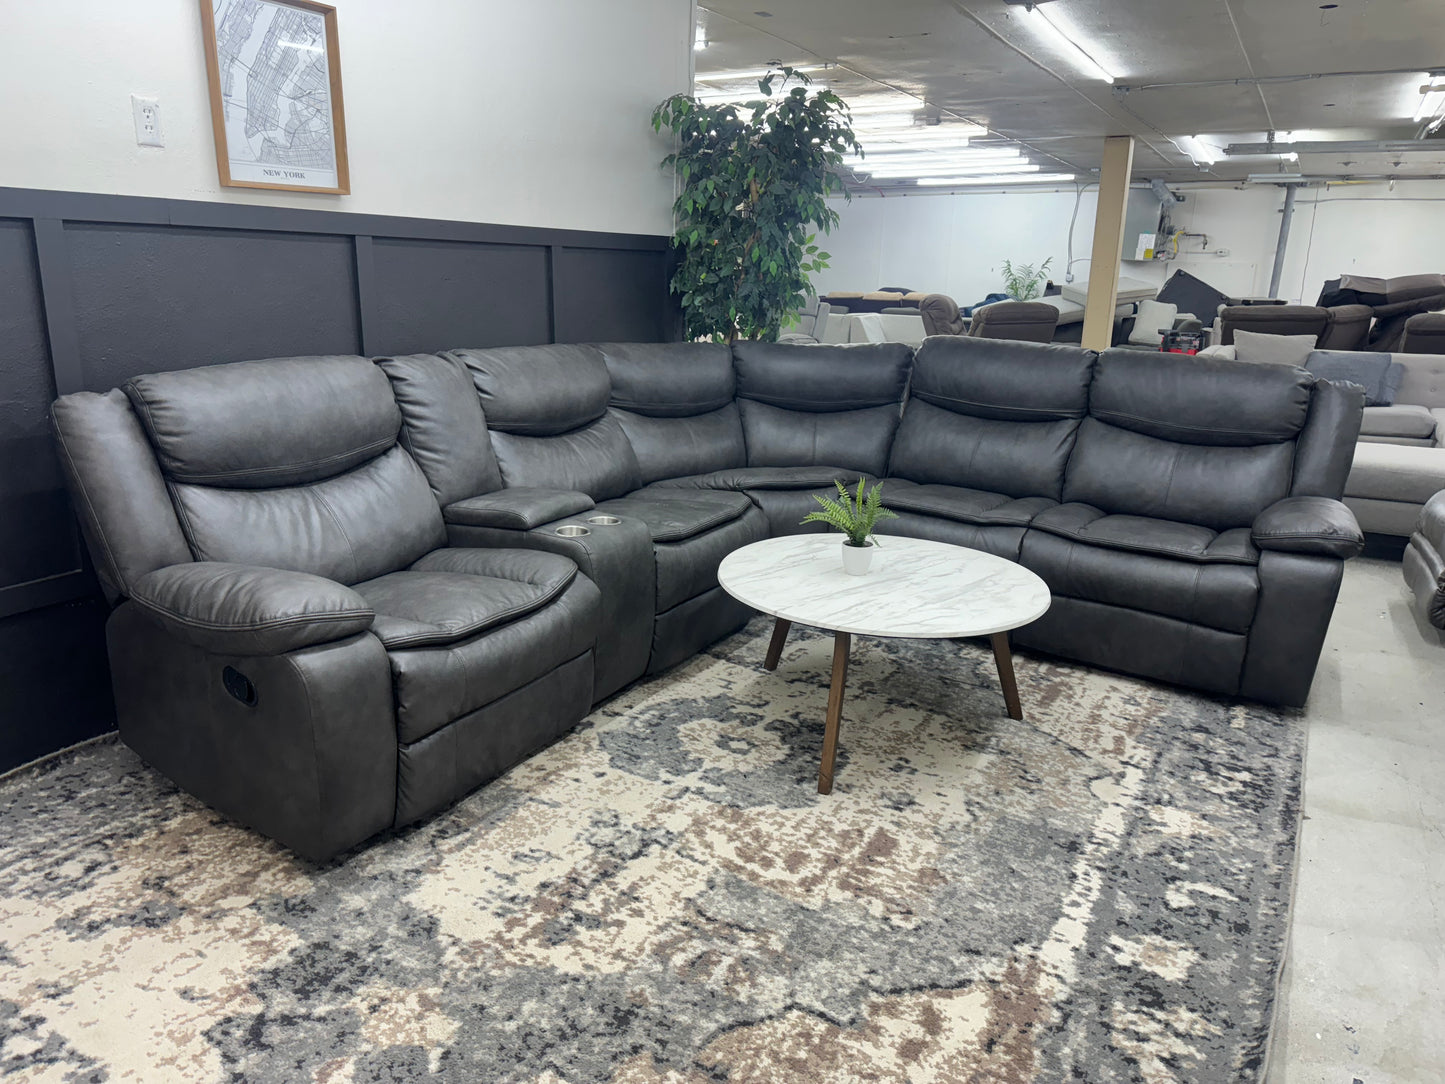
column 276, row 60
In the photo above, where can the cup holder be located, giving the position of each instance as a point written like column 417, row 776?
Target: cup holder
column 572, row 530
column 604, row 520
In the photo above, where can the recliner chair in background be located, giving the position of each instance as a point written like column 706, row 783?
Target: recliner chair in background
column 1424, row 334
column 1272, row 320
column 941, row 316
column 1021, row 321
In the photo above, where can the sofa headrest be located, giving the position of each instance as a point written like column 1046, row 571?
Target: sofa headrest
column 669, row 380
column 822, row 378
column 1003, row 378
column 538, row 391
column 1198, row 400
column 264, row 424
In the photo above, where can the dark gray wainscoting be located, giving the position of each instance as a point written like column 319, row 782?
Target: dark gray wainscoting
column 95, row 289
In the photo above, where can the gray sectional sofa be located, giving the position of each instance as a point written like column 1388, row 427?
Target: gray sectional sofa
column 348, row 591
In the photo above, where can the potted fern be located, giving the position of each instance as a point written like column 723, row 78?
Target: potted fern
column 856, row 516
column 1021, row 282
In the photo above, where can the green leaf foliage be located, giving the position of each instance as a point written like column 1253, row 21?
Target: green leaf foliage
column 1023, row 282
column 753, row 179
column 853, row 514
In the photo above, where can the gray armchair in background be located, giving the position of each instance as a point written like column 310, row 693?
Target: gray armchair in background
column 941, row 316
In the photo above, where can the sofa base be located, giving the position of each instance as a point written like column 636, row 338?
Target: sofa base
column 690, row 626
column 310, row 761
column 452, row 762
column 1375, row 516
column 1135, row 642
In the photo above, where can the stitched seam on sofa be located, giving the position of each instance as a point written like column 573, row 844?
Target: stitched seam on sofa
column 285, row 468
column 184, row 516
column 937, row 511
column 1024, row 413
column 1173, row 469
column 831, row 406
column 702, row 406
column 355, row 567
column 267, row 625
column 1267, row 438
column 94, row 518
column 1322, row 536
column 491, row 621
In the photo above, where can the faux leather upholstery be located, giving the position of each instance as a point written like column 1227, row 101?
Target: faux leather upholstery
column 672, row 515
column 941, row 316
column 443, row 427
column 518, row 509
column 244, row 610
column 262, row 424
column 669, row 380
column 1424, row 334
column 754, row 478
column 126, row 515
column 993, row 416
column 838, row 405
column 1142, row 534
column 1326, row 445
column 371, row 520
column 451, row 595
column 1315, row 525
column 546, row 408
column 963, row 504
column 1346, row 327
column 669, row 446
column 1424, row 562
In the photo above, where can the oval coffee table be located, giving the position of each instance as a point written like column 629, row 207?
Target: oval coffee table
column 915, row 589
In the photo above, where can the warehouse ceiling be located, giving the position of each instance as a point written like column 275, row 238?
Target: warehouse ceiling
column 1189, row 80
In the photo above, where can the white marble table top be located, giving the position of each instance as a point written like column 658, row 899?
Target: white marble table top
column 915, row 588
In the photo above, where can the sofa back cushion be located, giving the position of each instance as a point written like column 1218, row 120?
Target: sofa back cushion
column 546, row 410
column 675, row 403
column 834, row 406
column 1196, row 440
column 443, row 426
column 993, row 414
column 1423, row 382
column 291, row 463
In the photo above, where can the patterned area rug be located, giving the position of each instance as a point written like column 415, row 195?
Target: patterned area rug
column 1098, row 893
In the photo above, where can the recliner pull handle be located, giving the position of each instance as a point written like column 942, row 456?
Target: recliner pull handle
column 239, row 686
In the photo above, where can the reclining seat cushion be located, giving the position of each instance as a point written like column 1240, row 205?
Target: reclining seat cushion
column 962, row 504
column 1141, row 534
column 453, row 594
column 672, row 515
column 291, row 463
column 546, row 410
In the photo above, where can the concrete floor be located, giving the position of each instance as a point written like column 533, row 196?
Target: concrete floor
column 1363, row 996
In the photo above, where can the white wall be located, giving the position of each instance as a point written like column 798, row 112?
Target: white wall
column 532, row 113
column 956, row 243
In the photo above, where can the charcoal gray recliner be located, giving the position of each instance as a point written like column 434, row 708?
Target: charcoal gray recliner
column 293, row 641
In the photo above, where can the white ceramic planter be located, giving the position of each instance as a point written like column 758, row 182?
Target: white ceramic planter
column 856, row 559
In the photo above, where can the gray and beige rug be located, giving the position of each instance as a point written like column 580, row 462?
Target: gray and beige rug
column 1098, row 893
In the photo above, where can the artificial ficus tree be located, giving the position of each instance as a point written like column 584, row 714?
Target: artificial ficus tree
column 754, row 181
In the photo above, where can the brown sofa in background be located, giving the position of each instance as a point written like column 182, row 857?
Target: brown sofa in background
column 1024, row 321
column 1424, row 334
column 1272, row 320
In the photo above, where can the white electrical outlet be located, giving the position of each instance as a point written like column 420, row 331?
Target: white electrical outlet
column 147, row 113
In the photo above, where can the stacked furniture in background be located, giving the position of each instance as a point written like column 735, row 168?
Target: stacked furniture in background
column 1022, row 321
column 348, row 592
column 1392, row 302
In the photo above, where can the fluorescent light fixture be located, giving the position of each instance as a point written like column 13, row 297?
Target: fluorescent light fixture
column 1200, row 152
column 744, row 74
column 916, row 167
column 1274, row 178
column 947, row 169
column 1062, row 35
column 1430, row 102
column 1001, row 179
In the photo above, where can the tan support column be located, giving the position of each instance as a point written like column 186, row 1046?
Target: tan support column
column 1108, row 242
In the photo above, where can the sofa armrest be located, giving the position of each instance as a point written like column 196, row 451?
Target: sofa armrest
column 1314, row 525
column 518, row 509
column 247, row 610
column 1439, row 415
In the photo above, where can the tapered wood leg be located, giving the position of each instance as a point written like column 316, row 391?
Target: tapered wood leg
column 775, row 645
column 1004, row 660
column 841, row 642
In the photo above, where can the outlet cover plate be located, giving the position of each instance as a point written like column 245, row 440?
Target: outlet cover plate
column 147, row 114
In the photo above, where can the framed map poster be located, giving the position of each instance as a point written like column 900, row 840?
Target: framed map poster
column 275, row 74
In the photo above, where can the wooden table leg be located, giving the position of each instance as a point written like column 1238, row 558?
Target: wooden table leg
column 1004, row 660
column 841, row 642
column 775, row 645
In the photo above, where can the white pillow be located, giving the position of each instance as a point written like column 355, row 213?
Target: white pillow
column 1273, row 349
column 1152, row 316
